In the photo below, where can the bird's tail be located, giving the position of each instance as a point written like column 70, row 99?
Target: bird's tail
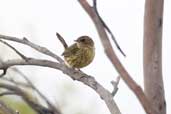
column 61, row 39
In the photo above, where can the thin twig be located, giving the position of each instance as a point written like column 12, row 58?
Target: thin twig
column 19, row 53
column 11, row 80
column 107, row 28
column 7, row 93
column 40, row 49
column 115, row 85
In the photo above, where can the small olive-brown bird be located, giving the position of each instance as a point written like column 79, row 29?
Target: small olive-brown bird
column 81, row 53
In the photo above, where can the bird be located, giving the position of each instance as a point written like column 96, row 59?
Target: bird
column 80, row 54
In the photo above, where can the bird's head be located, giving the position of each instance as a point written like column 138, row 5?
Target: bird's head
column 84, row 41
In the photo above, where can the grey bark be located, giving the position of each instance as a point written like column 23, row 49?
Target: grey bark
column 153, row 79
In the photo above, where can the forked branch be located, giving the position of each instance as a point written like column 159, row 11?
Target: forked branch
column 137, row 90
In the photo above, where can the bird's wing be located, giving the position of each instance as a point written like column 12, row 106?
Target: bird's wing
column 71, row 50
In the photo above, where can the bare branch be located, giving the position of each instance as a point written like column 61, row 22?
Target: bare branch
column 40, row 49
column 74, row 74
column 114, row 59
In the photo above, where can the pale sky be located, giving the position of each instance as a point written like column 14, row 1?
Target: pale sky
column 39, row 20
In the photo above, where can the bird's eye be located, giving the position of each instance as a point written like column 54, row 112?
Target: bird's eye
column 82, row 40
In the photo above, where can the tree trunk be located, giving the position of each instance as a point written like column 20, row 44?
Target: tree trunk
column 153, row 81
